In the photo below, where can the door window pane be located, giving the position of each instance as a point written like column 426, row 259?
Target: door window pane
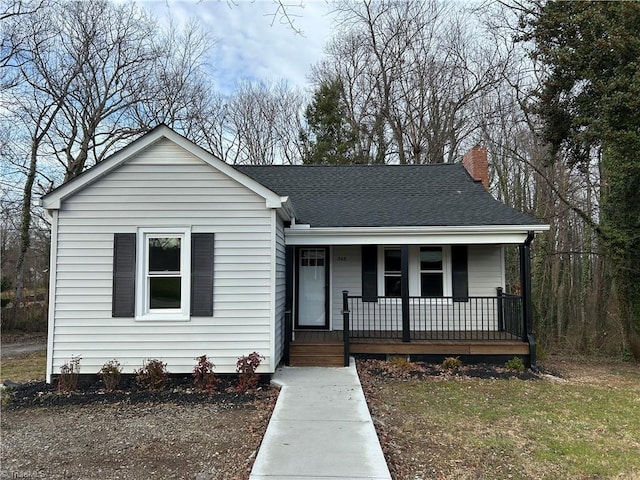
column 312, row 258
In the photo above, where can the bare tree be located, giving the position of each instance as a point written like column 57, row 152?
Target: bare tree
column 11, row 40
column 83, row 69
column 261, row 116
column 411, row 73
column 349, row 62
column 257, row 124
column 113, row 48
column 37, row 110
column 180, row 90
column 286, row 13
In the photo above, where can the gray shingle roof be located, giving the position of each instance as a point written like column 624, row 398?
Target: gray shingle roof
column 386, row 195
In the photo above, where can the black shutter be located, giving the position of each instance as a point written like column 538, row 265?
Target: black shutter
column 460, row 273
column 123, row 296
column 202, row 274
column 369, row 273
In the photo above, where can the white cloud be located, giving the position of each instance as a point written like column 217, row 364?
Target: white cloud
column 250, row 44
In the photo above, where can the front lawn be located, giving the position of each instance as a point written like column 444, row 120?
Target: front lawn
column 584, row 425
column 23, row 367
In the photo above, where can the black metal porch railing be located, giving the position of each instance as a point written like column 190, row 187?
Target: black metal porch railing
column 441, row 318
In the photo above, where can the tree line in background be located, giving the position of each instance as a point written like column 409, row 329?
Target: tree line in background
column 551, row 89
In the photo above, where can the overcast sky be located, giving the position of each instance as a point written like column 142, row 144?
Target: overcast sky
column 248, row 46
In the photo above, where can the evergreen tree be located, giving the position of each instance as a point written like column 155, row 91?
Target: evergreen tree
column 590, row 104
column 330, row 139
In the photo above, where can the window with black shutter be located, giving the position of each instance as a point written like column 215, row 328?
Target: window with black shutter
column 163, row 274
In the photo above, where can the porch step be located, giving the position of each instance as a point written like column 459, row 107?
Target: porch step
column 316, row 355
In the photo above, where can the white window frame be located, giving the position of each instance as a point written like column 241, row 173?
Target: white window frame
column 414, row 273
column 440, row 271
column 143, row 311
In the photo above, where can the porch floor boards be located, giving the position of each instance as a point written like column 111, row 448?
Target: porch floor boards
column 326, row 346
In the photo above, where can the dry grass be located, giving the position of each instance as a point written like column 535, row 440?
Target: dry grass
column 22, row 368
column 585, row 426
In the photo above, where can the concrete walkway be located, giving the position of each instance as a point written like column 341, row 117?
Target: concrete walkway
column 320, row 429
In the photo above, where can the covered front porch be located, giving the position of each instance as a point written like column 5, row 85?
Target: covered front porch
column 479, row 329
column 467, row 317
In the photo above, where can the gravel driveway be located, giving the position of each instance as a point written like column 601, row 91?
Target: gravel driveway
column 14, row 349
column 167, row 440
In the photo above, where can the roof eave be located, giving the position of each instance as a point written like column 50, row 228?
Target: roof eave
column 426, row 235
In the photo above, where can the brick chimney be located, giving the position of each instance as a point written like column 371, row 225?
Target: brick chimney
column 476, row 163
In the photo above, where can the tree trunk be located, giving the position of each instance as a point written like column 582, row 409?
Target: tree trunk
column 25, row 230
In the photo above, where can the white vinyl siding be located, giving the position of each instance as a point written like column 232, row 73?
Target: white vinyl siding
column 163, row 187
column 346, row 274
column 280, row 296
column 486, row 273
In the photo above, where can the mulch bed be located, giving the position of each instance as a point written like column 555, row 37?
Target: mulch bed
column 179, row 390
column 419, row 370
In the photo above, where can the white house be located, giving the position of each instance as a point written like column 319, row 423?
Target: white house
column 164, row 251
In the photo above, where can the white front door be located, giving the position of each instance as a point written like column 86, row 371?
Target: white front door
column 312, row 264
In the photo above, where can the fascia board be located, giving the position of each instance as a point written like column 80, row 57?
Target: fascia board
column 500, row 234
column 287, row 211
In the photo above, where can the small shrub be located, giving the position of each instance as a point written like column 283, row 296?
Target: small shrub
column 110, row 374
column 401, row 363
column 153, row 375
column 452, row 363
column 541, row 352
column 516, row 364
column 68, row 379
column 627, row 356
column 5, row 284
column 246, row 367
column 203, row 376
